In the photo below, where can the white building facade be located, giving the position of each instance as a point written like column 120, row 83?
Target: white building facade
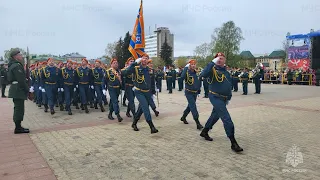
column 151, row 45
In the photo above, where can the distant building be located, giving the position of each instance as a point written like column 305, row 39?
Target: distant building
column 155, row 41
column 74, row 57
column 273, row 61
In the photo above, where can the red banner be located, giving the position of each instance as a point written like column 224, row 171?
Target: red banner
column 303, row 64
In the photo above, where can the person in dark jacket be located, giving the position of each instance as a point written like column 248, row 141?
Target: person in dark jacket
column 3, row 79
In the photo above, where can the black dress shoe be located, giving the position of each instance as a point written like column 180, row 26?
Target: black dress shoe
column 183, row 119
column 21, row 131
column 156, row 112
column 110, row 116
column 128, row 114
column 204, row 133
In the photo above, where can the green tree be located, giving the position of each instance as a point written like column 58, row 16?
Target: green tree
column 181, row 61
column 166, row 52
column 119, row 52
column 157, row 62
column 227, row 39
column 126, row 43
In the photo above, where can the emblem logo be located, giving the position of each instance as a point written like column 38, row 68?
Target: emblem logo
column 294, row 156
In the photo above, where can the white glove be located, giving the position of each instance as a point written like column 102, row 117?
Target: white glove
column 61, row 89
column 215, row 60
column 187, row 65
column 104, row 92
column 40, row 87
column 43, row 90
column 31, row 89
column 260, row 79
column 76, row 86
column 138, row 60
column 157, row 90
column 96, row 94
column 133, row 89
column 92, row 87
column 74, row 89
column 153, row 97
column 58, row 89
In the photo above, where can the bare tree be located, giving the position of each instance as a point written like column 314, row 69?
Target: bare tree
column 111, row 49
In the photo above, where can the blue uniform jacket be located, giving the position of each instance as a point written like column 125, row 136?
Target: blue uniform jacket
column 68, row 76
column 98, row 76
column 51, row 75
column 219, row 80
column 141, row 76
column 111, row 78
column 84, row 75
column 192, row 82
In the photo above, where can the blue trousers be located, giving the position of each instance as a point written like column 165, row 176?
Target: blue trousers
column 245, row 87
column 159, row 84
column 150, row 103
column 192, row 106
column 130, row 96
column 98, row 93
column 169, row 84
column 220, row 111
column 180, row 83
column 114, row 95
column 235, row 83
column 51, row 92
column 144, row 99
column 84, row 91
column 68, row 95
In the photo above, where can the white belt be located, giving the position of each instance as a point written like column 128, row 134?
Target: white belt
column 14, row 82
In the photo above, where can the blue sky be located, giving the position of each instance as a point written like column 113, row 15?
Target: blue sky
column 64, row 26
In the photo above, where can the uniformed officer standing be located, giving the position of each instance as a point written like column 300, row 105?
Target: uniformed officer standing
column 68, row 84
column 142, row 85
column 113, row 78
column 244, row 78
column 220, row 94
column 192, row 84
column 235, row 79
column 180, row 80
column 290, row 77
column 258, row 79
column 174, row 77
column 205, row 87
column 4, row 79
column 18, row 89
column 159, row 78
column 169, row 78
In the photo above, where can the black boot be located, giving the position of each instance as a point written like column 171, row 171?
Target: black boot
column 46, row 108
column 77, row 106
column 234, row 145
column 101, row 107
column 82, row 107
column 204, row 133
column 52, row 111
column 106, row 103
column 91, row 105
column 183, row 119
column 39, row 105
column 61, row 107
column 86, row 109
column 156, row 112
column 134, row 124
column 69, row 112
column 128, row 113
column 110, row 116
column 153, row 129
column 199, row 126
column 119, row 117
column 96, row 106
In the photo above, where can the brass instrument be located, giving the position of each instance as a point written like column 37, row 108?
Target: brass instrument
column 256, row 70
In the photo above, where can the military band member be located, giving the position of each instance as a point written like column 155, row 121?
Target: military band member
column 220, row 94
column 174, row 77
column 258, row 79
column 69, row 82
column 180, row 80
column 290, row 77
column 192, row 87
column 159, row 78
column 51, row 79
column 244, row 78
column 98, row 80
column 18, row 90
column 84, row 77
column 113, row 78
column 142, row 83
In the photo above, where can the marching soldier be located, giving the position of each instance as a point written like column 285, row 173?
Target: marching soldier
column 51, row 78
column 244, row 78
column 159, row 78
column 128, row 89
column 38, row 91
column 174, row 77
column 142, row 85
column 235, row 79
column 18, row 90
column 98, row 75
column 205, row 87
column 84, row 76
column 113, row 79
column 192, row 87
column 4, row 80
column 75, row 96
column 220, row 94
column 68, row 84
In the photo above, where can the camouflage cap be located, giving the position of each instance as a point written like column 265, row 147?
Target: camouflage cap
column 14, row 52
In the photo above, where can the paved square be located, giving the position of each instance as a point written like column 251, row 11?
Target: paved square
column 276, row 129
